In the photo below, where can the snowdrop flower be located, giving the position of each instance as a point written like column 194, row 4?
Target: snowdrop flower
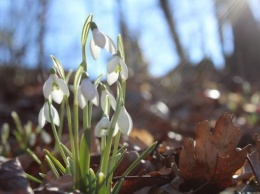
column 102, row 127
column 44, row 115
column 115, row 66
column 100, row 40
column 87, row 92
column 55, row 88
column 124, row 121
column 103, row 100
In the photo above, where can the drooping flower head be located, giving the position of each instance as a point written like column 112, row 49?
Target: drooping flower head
column 100, row 40
column 44, row 115
column 115, row 66
column 102, row 127
column 87, row 92
column 55, row 88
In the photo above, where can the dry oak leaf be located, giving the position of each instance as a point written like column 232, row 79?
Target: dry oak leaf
column 212, row 158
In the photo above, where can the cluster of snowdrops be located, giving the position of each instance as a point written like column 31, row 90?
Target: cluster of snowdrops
column 115, row 119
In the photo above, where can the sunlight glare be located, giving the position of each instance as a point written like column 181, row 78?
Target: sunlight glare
column 214, row 94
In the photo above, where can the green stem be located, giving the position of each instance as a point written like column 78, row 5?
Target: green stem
column 123, row 89
column 76, row 165
column 61, row 118
column 56, row 137
column 109, row 137
column 88, row 136
column 107, row 150
column 113, row 158
column 85, row 149
column 72, row 143
column 76, row 141
column 103, row 146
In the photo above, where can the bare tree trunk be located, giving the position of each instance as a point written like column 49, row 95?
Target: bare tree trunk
column 170, row 21
column 42, row 30
column 133, row 51
column 245, row 59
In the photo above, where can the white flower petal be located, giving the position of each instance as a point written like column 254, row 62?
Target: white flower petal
column 81, row 99
column 94, row 49
column 124, row 69
column 62, row 85
column 54, row 113
column 103, row 100
column 41, row 118
column 56, row 118
column 112, row 100
column 116, row 130
column 112, row 77
column 47, row 87
column 112, row 64
column 99, row 38
column 104, row 122
column 101, row 127
column 124, row 121
column 95, row 100
column 88, row 89
column 110, row 45
column 46, row 112
column 57, row 96
column 101, row 132
column 57, row 93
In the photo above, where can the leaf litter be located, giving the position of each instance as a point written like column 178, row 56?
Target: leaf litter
column 209, row 162
column 205, row 164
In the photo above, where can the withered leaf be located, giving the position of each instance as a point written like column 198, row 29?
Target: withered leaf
column 212, row 158
column 12, row 177
column 132, row 184
column 173, row 186
column 55, row 185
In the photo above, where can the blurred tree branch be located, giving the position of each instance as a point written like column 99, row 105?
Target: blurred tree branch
column 164, row 4
column 22, row 33
column 42, row 31
column 245, row 58
column 133, row 52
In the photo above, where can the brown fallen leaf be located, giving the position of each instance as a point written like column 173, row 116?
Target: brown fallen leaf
column 208, row 162
column 12, row 177
column 132, row 184
column 173, row 186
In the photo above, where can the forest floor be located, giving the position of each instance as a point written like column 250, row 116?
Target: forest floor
column 169, row 110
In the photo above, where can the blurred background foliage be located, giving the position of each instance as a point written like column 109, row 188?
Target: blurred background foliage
column 225, row 33
column 189, row 60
